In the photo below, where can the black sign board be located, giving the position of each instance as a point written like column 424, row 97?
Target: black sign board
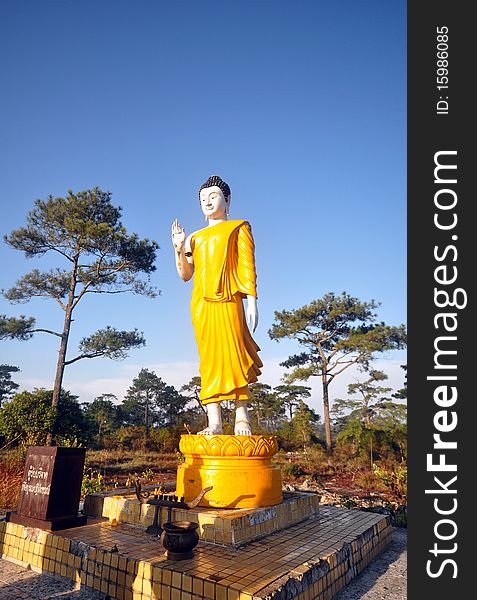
column 51, row 488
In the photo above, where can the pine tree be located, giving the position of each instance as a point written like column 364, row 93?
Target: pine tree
column 83, row 231
column 337, row 332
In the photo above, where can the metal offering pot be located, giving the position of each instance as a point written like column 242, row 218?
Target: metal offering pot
column 179, row 538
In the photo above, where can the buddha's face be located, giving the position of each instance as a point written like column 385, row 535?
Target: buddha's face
column 212, row 202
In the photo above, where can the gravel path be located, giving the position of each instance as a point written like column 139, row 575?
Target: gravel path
column 18, row 583
column 384, row 579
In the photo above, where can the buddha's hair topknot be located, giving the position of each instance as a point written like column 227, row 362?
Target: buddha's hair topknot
column 220, row 183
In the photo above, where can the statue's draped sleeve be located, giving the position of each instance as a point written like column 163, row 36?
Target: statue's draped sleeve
column 245, row 274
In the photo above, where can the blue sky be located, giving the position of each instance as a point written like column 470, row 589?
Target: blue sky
column 300, row 106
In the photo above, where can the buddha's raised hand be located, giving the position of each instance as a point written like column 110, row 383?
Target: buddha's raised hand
column 178, row 236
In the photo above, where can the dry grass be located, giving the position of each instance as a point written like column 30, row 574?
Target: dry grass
column 124, row 461
column 11, row 475
column 119, row 467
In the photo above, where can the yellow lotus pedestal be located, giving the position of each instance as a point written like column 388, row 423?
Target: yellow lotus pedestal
column 238, row 467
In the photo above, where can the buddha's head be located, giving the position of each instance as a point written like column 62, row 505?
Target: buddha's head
column 214, row 197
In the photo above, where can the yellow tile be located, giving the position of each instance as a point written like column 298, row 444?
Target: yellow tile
column 114, row 560
column 42, row 538
column 176, row 580
column 219, row 537
column 156, row 590
column 157, row 574
column 146, row 587
column 131, row 566
column 175, row 594
column 137, row 584
column 104, row 586
column 166, row 577
column 121, row 578
column 165, row 592
column 209, row 589
column 116, row 592
column 147, row 570
column 197, row 586
column 220, row 592
column 186, row 583
column 232, row 594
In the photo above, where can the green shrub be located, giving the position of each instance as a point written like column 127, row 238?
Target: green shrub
column 93, row 482
column 393, row 477
column 291, row 470
column 29, row 416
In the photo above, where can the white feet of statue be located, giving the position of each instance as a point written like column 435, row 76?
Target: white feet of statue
column 242, row 422
column 242, row 428
column 210, row 431
column 214, row 418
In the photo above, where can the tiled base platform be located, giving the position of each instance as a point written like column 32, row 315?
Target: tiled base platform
column 229, row 527
column 311, row 560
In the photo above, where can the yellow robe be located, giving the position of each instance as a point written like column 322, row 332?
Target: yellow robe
column 224, row 273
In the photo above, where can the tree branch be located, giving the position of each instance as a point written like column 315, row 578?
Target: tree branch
column 62, row 304
column 98, row 277
column 81, row 294
column 333, row 375
column 340, row 359
column 109, row 291
column 328, row 337
column 46, row 331
column 81, row 356
column 60, row 252
column 324, row 358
